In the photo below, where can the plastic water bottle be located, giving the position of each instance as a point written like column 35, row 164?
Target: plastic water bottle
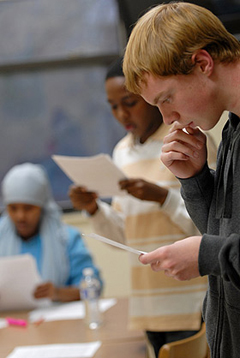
column 90, row 290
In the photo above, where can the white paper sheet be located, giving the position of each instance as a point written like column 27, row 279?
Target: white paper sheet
column 18, row 280
column 72, row 350
column 97, row 173
column 72, row 310
column 114, row 243
column 3, row 323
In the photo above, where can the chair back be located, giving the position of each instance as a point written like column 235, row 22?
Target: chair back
column 192, row 347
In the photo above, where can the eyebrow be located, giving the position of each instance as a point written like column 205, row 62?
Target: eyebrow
column 157, row 97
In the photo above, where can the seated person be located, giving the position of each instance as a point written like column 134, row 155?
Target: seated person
column 31, row 223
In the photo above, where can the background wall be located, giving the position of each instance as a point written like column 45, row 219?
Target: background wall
column 53, row 60
column 227, row 10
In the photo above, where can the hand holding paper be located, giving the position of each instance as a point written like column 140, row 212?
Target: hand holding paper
column 18, row 280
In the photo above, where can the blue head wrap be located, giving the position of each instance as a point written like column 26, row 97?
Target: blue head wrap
column 28, row 183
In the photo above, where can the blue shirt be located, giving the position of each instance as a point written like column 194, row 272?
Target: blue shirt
column 78, row 255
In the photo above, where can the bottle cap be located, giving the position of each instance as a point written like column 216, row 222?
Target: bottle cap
column 88, row 271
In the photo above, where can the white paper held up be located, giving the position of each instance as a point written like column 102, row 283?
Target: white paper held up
column 114, row 243
column 18, row 280
column 97, row 173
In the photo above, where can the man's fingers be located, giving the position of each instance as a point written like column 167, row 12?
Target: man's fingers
column 156, row 266
column 151, row 257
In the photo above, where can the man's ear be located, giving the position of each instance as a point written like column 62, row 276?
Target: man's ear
column 204, row 61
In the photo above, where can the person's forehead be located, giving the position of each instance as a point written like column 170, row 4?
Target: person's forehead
column 152, row 87
column 156, row 87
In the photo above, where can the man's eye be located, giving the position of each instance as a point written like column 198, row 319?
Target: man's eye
column 166, row 100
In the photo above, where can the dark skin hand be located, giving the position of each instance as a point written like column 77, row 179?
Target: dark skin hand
column 139, row 188
column 62, row 294
column 144, row 190
column 83, row 199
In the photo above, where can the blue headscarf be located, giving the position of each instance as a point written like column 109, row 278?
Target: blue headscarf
column 28, row 183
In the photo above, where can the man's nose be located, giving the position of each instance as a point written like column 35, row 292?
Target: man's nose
column 169, row 116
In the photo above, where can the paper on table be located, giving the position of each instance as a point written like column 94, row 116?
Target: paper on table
column 18, row 280
column 114, row 243
column 71, row 350
column 3, row 323
column 72, row 310
column 97, row 173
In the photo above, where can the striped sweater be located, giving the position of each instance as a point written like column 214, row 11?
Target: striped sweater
column 157, row 303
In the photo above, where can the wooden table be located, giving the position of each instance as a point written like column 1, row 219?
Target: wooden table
column 117, row 340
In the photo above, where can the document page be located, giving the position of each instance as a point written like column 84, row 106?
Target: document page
column 71, row 310
column 18, row 280
column 114, row 243
column 97, row 173
column 3, row 323
column 72, row 350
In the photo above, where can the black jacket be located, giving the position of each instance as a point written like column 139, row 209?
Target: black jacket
column 213, row 201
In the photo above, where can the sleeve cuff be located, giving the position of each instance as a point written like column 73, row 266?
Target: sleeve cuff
column 209, row 255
